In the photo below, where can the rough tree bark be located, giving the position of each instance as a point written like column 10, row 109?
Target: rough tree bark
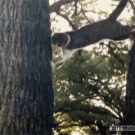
column 26, row 91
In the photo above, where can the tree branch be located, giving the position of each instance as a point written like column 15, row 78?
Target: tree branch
column 113, row 54
column 65, row 17
column 133, row 6
column 56, row 6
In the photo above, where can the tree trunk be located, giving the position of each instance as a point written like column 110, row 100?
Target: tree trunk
column 129, row 118
column 26, row 91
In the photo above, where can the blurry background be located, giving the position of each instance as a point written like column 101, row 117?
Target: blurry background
column 90, row 87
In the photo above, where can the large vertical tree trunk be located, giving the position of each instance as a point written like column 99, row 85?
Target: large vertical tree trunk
column 26, row 92
column 129, row 118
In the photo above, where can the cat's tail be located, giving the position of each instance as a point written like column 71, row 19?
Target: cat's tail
column 118, row 10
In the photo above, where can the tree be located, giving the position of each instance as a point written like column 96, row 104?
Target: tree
column 26, row 94
column 95, row 75
column 91, row 77
column 129, row 116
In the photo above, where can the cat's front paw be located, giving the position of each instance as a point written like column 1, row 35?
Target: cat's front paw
column 53, row 65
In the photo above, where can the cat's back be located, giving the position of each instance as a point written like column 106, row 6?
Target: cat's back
column 104, row 24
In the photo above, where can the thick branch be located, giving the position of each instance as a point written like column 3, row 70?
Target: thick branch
column 133, row 7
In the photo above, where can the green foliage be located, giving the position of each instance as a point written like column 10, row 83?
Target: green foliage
column 90, row 88
column 93, row 76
